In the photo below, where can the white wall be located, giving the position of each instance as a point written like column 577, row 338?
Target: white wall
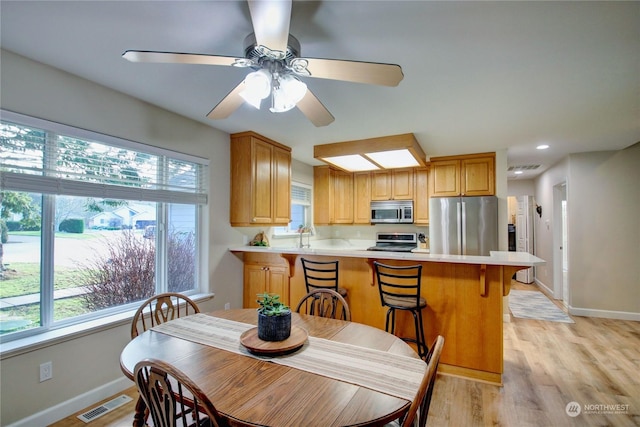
column 84, row 364
column 521, row 187
column 603, row 228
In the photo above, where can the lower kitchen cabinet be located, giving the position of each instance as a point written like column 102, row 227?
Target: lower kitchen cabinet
column 261, row 275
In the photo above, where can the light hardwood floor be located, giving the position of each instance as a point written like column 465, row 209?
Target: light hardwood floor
column 594, row 362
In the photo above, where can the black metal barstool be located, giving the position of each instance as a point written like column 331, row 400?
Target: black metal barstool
column 321, row 275
column 400, row 290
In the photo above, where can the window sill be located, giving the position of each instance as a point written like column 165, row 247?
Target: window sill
column 58, row 336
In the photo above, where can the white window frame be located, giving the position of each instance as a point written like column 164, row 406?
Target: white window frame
column 283, row 232
column 12, row 181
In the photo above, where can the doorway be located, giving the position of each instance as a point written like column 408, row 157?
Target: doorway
column 560, row 244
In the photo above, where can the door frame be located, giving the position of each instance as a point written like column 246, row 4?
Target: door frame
column 560, row 193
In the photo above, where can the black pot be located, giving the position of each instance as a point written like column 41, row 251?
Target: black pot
column 274, row 328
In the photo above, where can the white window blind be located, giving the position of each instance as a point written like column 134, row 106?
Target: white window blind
column 42, row 159
column 300, row 195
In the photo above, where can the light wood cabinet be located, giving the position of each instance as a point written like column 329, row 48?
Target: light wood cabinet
column 260, row 181
column 342, row 197
column 322, row 196
column 333, row 199
column 361, row 198
column 396, row 184
column 477, row 176
column 264, row 275
column 421, row 196
column 471, row 175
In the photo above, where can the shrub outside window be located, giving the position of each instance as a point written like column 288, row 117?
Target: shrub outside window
column 91, row 224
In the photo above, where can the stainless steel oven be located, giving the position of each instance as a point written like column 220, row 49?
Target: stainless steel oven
column 392, row 212
column 395, row 242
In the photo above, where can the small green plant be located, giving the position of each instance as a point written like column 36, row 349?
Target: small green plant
column 270, row 305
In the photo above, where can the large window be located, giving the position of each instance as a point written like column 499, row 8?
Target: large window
column 91, row 224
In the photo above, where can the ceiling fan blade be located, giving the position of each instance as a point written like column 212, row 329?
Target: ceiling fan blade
column 229, row 104
column 314, row 110
column 178, row 58
column 354, row 71
column 271, row 23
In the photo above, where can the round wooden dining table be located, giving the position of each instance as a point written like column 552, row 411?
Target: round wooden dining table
column 249, row 391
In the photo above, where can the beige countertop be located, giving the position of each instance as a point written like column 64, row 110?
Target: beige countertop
column 496, row 257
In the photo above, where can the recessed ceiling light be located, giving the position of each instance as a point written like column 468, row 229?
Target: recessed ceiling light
column 542, row 147
column 518, row 172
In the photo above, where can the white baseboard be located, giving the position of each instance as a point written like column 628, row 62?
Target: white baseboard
column 592, row 312
column 71, row 406
column 544, row 288
column 605, row 314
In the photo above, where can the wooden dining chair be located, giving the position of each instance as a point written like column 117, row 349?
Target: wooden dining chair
column 173, row 398
column 324, row 303
column 160, row 309
column 156, row 310
column 416, row 415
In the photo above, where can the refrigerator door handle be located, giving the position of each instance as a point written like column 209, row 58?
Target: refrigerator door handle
column 460, row 232
column 464, row 228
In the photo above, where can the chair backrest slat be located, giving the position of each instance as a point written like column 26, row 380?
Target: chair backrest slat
column 161, row 308
column 398, row 281
column 320, row 274
column 172, row 398
column 324, row 303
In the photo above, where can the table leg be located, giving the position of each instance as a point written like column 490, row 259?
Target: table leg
column 139, row 419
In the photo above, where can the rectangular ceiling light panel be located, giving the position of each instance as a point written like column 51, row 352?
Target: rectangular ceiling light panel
column 394, row 159
column 351, row 163
column 387, row 152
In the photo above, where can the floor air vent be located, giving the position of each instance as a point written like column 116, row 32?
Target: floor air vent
column 109, row 406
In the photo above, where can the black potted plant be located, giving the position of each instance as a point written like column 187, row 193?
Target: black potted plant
column 274, row 318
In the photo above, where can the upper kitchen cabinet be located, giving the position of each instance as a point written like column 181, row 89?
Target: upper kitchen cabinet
column 362, row 198
column 333, row 199
column 395, row 184
column 469, row 175
column 421, row 197
column 260, row 181
column 342, row 197
column 322, row 195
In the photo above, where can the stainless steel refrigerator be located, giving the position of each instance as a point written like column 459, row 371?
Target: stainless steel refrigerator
column 463, row 225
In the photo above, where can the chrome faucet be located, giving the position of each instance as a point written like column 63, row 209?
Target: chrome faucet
column 308, row 245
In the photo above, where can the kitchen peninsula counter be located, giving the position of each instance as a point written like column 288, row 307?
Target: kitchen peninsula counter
column 522, row 259
column 464, row 295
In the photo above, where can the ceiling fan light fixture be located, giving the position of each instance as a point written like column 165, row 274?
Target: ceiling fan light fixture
column 257, row 86
column 287, row 92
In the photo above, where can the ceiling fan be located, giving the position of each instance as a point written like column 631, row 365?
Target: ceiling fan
column 273, row 54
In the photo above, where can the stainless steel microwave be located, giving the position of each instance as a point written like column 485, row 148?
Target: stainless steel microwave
column 392, row 212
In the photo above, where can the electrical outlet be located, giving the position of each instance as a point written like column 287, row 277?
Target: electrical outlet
column 227, row 306
column 46, row 371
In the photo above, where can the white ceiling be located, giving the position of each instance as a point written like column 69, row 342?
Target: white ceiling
column 479, row 76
